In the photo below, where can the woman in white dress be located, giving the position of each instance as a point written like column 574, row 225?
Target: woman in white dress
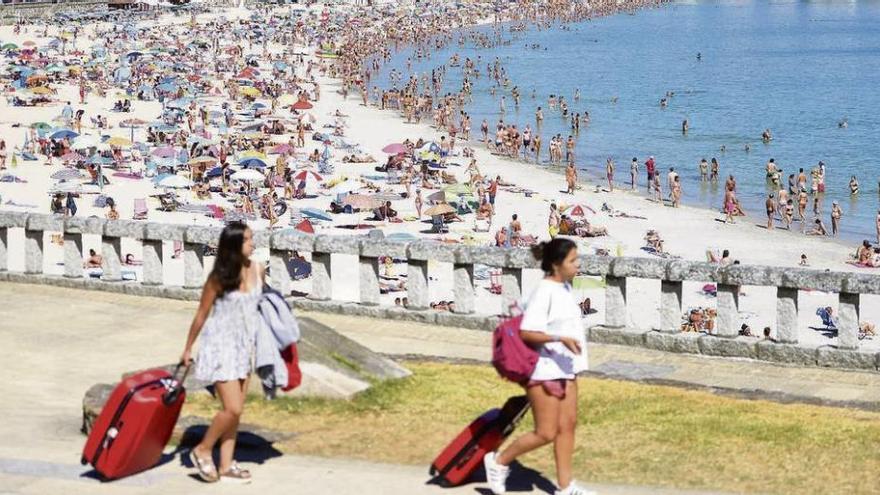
column 228, row 319
column 552, row 325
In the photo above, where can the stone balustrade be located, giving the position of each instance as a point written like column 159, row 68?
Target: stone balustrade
column 672, row 274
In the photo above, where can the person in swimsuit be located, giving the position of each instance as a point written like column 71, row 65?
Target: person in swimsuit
column 228, row 320
column 770, row 206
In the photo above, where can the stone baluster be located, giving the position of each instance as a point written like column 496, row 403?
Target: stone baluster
column 8, row 220
column 153, row 268
column 786, row 315
column 848, row 320
column 511, row 288
column 670, row 305
column 727, row 321
column 322, row 269
column 463, row 288
column 37, row 226
column 615, row 301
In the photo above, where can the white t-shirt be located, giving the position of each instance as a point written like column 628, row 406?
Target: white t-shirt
column 551, row 309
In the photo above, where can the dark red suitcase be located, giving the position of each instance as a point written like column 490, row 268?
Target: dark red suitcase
column 135, row 424
column 461, row 458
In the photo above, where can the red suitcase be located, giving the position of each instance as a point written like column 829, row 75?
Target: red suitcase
column 135, row 424
column 464, row 455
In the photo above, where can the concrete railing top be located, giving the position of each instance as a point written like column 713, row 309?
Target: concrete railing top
column 649, row 268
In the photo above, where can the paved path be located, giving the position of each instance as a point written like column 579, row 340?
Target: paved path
column 58, row 342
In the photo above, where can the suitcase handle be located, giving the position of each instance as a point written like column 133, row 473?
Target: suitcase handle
column 173, row 393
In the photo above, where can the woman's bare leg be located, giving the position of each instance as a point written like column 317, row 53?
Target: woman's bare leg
column 225, row 420
column 545, row 410
column 564, row 445
column 227, row 439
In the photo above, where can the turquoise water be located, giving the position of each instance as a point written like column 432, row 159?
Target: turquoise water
column 797, row 68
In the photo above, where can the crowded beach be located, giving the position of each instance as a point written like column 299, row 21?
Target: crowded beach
column 269, row 116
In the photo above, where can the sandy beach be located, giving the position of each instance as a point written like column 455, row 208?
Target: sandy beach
column 687, row 232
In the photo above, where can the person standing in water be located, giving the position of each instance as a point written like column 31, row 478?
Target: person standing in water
column 552, row 325
column 633, row 172
column 228, row 319
column 609, row 173
column 836, row 215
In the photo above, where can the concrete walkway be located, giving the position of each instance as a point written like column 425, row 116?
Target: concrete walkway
column 58, row 342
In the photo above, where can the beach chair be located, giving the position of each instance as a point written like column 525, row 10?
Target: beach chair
column 140, row 209
column 437, row 226
column 168, row 203
column 495, row 282
column 217, row 212
column 299, row 269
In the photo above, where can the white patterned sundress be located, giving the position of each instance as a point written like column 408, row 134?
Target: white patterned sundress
column 228, row 338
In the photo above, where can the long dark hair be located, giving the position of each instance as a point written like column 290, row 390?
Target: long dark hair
column 552, row 253
column 227, row 267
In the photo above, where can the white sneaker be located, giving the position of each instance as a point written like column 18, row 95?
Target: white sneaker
column 574, row 489
column 496, row 474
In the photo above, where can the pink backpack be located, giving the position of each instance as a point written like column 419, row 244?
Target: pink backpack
column 512, row 358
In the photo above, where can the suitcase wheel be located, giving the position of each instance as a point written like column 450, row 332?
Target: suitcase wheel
column 432, row 470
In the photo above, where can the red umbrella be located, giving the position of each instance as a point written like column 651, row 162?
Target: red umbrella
column 305, row 226
column 307, row 174
column 302, row 105
column 395, row 148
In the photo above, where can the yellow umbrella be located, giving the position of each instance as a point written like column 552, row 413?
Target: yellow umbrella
column 118, row 142
column 41, row 90
column 252, row 154
column 250, row 91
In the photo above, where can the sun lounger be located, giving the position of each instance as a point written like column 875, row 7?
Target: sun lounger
column 140, row 209
column 437, row 226
column 299, row 269
column 827, row 319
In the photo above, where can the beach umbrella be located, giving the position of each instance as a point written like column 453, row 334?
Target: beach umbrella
column 279, row 149
column 67, row 174
column 316, row 214
column 12, row 178
column 457, row 190
column 346, row 187
column 395, row 148
column 302, row 105
column 118, row 142
column 101, row 160
column 305, row 226
column 440, row 209
column 251, row 153
column 175, row 181
column 41, row 90
column 252, row 162
column 250, row 91
column 132, row 123
column 66, row 187
column 72, row 156
column 164, row 152
column 578, row 210
column 9, row 46
column 63, row 133
column 362, row 201
column 437, row 197
column 216, row 172
column 248, row 175
column 41, row 126
column 307, row 175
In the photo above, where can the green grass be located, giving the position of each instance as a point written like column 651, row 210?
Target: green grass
column 628, row 432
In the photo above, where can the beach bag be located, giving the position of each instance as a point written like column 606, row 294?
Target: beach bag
column 511, row 357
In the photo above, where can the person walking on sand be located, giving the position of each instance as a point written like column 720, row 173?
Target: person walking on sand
column 552, row 325
column 609, row 173
column 570, row 178
column 633, row 172
column 770, row 206
column 419, row 202
column 836, row 215
column 228, row 319
column 676, row 192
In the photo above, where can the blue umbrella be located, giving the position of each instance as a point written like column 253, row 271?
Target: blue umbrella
column 316, row 214
column 100, row 160
column 63, row 133
column 252, row 162
column 167, row 87
column 216, row 172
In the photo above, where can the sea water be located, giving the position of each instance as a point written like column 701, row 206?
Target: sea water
column 795, row 67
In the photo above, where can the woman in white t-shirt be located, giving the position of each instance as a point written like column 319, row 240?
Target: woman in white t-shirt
column 552, row 325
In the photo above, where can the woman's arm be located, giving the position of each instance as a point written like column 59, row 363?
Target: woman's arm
column 535, row 339
column 209, row 295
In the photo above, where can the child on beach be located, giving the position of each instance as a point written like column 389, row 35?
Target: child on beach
column 552, row 325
